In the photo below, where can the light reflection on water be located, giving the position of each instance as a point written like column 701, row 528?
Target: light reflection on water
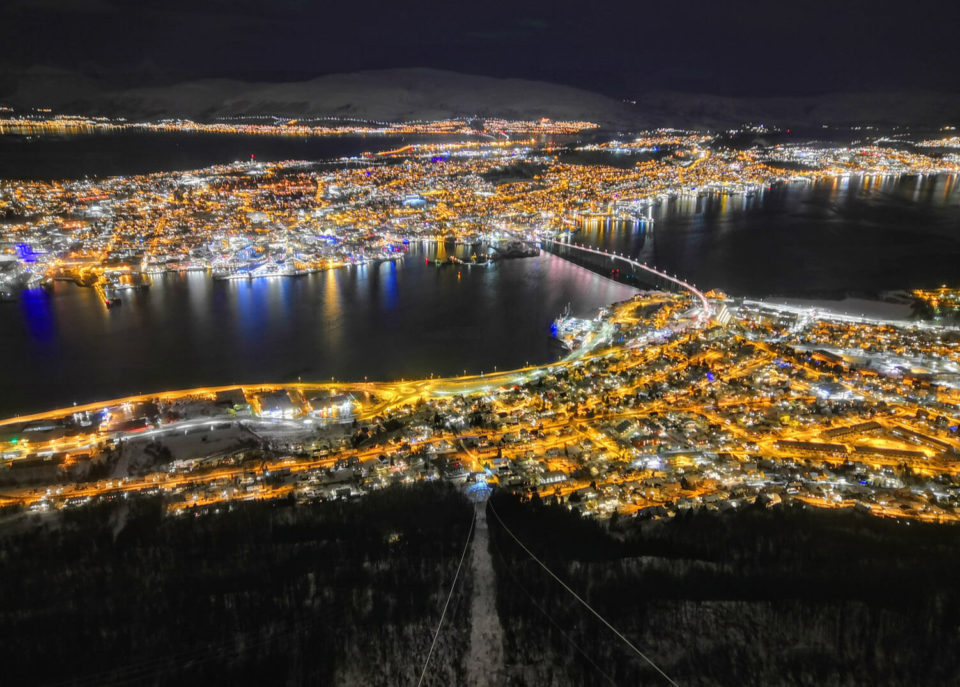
column 407, row 320
column 855, row 234
column 383, row 321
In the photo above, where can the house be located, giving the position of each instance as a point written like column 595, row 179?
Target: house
column 332, row 406
column 625, row 428
column 553, row 477
column 277, row 405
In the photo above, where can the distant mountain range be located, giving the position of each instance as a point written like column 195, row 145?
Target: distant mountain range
column 387, row 95
column 412, row 94
column 834, row 109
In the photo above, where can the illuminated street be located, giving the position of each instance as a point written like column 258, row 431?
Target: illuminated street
column 658, row 409
column 481, row 345
column 494, row 198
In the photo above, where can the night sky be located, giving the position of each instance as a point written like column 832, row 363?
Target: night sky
column 732, row 48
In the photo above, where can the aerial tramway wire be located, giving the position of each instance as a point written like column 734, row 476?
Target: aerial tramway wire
column 570, row 639
column 140, row 670
column 453, row 585
column 580, row 599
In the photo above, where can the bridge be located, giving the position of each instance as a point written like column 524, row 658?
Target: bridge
column 657, row 278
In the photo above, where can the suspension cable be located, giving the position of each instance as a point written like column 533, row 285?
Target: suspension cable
column 578, row 598
column 449, row 596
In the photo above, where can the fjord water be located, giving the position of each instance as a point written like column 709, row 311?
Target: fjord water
column 385, row 321
column 128, row 153
column 860, row 235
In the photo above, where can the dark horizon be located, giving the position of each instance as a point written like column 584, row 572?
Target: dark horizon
column 738, row 48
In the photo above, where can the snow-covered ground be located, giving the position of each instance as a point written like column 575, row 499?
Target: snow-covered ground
column 185, row 442
column 413, row 94
column 390, row 95
column 485, row 663
column 860, row 307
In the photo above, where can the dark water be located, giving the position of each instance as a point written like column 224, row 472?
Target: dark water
column 405, row 320
column 109, row 154
column 861, row 235
column 385, row 322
